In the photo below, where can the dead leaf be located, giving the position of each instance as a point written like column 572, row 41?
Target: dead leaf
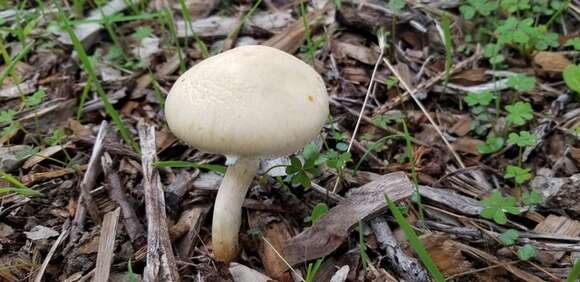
column 277, row 234
column 78, row 129
column 358, row 52
column 468, row 145
column 5, row 230
column 551, row 61
column 445, row 255
column 470, row 76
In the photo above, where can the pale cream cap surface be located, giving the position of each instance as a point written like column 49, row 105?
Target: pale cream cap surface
column 248, row 101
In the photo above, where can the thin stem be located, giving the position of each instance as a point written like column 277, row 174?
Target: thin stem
column 227, row 212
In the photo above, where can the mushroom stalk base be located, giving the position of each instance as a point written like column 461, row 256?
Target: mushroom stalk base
column 227, row 212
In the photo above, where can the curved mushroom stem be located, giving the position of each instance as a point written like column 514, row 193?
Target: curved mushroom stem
column 227, row 211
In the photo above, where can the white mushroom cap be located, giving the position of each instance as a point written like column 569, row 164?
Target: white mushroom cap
column 251, row 101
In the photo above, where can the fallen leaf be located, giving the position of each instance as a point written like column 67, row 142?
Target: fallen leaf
column 467, row 145
column 470, row 76
column 551, row 61
column 446, row 256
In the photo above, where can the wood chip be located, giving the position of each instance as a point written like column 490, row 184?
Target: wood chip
column 106, row 245
column 341, row 274
column 451, row 200
column 242, row 273
column 40, row 232
column 491, row 259
column 192, row 220
column 88, row 32
column 216, row 26
column 160, row 260
column 329, row 232
column 560, row 225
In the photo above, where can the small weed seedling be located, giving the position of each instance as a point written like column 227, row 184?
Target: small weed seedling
column 478, row 102
column 472, row 8
column 572, row 77
column 519, row 113
column 517, row 172
column 318, row 211
column 497, row 206
column 509, row 238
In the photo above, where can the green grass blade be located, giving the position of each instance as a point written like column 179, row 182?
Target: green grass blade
column 188, row 27
column 14, row 61
column 24, row 192
column 84, row 96
column 307, row 35
column 131, row 276
column 236, row 30
column 575, row 272
column 12, row 180
column 89, row 69
column 448, row 47
column 19, row 187
column 186, row 164
column 415, row 242
column 170, row 22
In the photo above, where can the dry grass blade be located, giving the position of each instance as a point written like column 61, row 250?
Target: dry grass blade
column 412, row 94
column 61, row 237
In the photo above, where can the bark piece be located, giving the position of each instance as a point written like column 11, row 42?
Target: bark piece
column 369, row 15
column 160, row 260
column 559, row 192
column 451, row 200
column 406, row 267
column 113, row 184
column 329, row 232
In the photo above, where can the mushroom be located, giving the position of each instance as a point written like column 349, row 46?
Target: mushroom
column 248, row 103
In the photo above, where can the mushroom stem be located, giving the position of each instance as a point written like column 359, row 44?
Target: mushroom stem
column 227, row 211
